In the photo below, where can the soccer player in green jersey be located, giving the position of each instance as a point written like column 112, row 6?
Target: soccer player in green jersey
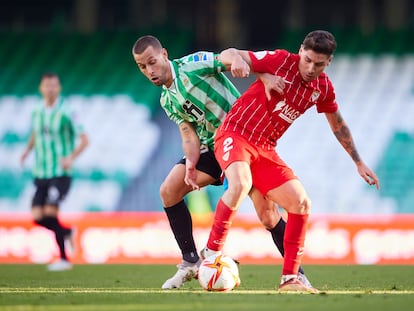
column 196, row 95
column 53, row 139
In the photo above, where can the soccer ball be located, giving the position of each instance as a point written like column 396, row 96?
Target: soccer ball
column 218, row 273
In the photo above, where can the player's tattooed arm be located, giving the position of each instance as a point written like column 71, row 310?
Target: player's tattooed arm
column 191, row 148
column 343, row 134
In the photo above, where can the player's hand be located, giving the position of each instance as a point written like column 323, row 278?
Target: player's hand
column 239, row 68
column 23, row 157
column 66, row 163
column 190, row 178
column 368, row 175
column 272, row 83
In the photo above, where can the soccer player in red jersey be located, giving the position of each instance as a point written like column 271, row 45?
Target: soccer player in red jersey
column 196, row 95
column 246, row 140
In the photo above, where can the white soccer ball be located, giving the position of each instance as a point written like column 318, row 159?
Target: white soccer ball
column 218, row 273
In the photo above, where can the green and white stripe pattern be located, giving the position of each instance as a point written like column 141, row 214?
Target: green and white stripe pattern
column 200, row 94
column 55, row 135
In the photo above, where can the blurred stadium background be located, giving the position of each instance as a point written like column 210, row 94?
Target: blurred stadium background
column 133, row 144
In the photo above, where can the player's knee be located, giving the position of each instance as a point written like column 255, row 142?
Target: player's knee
column 164, row 192
column 267, row 223
column 269, row 219
column 235, row 194
column 239, row 188
column 37, row 213
column 303, row 206
column 50, row 210
column 298, row 205
column 169, row 195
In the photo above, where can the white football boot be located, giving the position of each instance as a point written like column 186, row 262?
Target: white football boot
column 291, row 283
column 60, row 265
column 186, row 272
column 302, row 277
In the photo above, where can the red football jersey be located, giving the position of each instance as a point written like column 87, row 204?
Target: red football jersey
column 263, row 121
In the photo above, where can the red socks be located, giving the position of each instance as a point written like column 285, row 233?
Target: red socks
column 294, row 242
column 223, row 219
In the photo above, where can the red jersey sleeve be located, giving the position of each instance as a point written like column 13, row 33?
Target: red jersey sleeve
column 328, row 101
column 267, row 61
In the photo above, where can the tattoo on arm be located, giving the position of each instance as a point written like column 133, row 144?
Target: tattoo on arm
column 343, row 134
column 187, row 131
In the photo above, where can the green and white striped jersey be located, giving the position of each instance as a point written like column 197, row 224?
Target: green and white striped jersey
column 200, row 94
column 55, row 133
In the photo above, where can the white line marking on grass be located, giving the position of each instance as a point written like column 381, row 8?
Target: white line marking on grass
column 42, row 290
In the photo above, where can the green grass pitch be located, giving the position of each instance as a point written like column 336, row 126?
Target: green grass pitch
column 137, row 287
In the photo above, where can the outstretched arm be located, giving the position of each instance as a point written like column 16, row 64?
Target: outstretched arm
column 344, row 136
column 239, row 63
column 28, row 148
column 236, row 61
column 191, row 148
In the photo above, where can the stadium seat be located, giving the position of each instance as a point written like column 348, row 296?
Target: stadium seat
column 120, row 111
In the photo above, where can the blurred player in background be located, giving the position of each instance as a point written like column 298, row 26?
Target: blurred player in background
column 246, row 140
column 53, row 138
column 197, row 96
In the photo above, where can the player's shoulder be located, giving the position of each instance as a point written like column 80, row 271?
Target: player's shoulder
column 38, row 107
column 64, row 104
column 273, row 54
column 196, row 57
column 66, row 107
column 324, row 84
column 323, row 80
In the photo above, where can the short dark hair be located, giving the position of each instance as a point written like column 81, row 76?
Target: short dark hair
column 48, row 75
column 320, row 41
column 142, row 43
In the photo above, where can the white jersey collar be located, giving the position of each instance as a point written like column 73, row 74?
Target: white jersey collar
column 174, row 77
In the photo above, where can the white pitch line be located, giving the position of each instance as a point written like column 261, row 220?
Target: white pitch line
column 10, row 290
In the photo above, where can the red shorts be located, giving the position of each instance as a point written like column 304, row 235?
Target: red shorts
column 268, row 170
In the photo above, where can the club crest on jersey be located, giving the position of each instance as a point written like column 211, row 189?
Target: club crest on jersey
column 202, row 56
column 315, row 95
